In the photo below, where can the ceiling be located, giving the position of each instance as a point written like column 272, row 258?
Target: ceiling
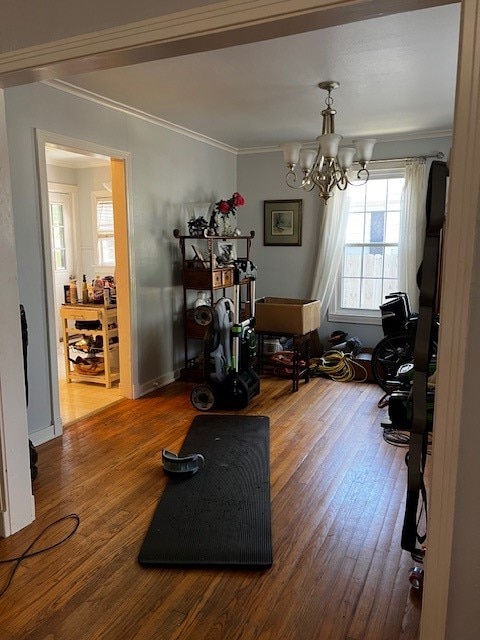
column 397, row 79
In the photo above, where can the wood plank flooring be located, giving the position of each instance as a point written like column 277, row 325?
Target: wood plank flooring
column 81, row 399
column 337, row 506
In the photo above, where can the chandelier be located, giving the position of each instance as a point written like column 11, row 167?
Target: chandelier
column 327, row 166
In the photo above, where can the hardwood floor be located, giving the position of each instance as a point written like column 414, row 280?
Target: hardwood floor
column 81, row 399
column 337, row 506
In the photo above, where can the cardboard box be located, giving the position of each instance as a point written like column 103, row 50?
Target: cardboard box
column 287, row 315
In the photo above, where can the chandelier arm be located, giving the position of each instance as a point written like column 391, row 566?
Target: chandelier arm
column 308, row 185
column 320, row 160
column 360, row 179
column 317, row 178
column 340, row 177
column 317, row 162
column 363, row 174
column 291, row 178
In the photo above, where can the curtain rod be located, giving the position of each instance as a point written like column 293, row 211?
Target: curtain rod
column 438, row 156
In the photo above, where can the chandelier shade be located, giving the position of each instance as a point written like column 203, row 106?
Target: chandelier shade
column 327, row 166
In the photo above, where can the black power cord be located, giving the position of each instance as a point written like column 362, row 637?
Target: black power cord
column 29, row 554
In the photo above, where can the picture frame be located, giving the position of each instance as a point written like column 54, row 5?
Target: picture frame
column 199, row 260
column 282, row 223
column 197, row 253
column 226, row 252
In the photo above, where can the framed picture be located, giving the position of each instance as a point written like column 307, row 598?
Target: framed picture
column 197, row 253
column 282, row 222
column 227, row 252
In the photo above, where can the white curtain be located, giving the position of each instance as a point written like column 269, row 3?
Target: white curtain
column 412, row 229
column 330, row 250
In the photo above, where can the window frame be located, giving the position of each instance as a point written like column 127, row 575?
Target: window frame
column 63, row 247
column 98, row 196
column 336, row 313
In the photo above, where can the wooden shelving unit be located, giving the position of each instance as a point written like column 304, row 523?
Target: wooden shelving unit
column 198, row 275
column 107, row 317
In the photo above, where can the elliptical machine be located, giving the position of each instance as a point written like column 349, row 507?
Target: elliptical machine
column 229, row 349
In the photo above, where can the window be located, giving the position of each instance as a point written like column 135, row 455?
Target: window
column 105, row 231
column 58, row 237
column 369, row 268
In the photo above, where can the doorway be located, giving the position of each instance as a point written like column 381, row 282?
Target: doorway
column 62, row 234
column 76, row 188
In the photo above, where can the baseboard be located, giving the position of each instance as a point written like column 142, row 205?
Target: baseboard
column 4, row 525
column 20, row 521
column 43, row 435
column 152, row 385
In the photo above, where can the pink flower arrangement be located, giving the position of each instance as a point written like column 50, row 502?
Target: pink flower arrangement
column 225, row 207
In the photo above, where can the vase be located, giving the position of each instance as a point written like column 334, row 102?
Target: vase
column 226, row 225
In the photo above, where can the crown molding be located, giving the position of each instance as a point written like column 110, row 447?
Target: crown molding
column 400, row 137
column 66, row 87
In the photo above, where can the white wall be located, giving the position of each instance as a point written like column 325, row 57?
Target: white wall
column 287, row 271
column 167, row 170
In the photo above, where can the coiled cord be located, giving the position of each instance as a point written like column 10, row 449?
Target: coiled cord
column 338, row 366
column 28, row 553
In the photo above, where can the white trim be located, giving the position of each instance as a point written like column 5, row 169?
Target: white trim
column 353, row 316
column 147, row 39
column 153, row 385
column 43, row 138
column 95, row 196
column 388, row 170
column 66, row 87
column 459, row 295
column 196, row 22
column 44, row 435
column 418, row 135
column 17, row 508
column 71, row 191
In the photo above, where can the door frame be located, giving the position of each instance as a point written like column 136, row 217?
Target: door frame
column 71, row 191
column 122, row 253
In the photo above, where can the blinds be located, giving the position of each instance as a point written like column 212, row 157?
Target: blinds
column 104, row 217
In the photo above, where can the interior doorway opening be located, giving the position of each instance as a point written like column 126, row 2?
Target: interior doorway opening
column 84, row 223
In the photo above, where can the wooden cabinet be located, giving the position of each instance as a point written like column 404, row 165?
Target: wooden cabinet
column 106, row 316
column 200, row 272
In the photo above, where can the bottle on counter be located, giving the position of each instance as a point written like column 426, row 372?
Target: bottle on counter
column 84, row 290
column 98, row 290
column 73, row 291
column 106, row 294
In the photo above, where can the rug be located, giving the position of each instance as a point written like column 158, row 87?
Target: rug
column 220, row 516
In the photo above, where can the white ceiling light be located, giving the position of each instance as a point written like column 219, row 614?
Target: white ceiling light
column 326, row 166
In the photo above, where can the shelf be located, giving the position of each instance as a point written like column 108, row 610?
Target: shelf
column 201, row 273
column 208, row 278
column 298, row 369
column 179, row 236
column 106, row 315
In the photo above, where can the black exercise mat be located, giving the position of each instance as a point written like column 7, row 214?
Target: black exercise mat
column 221, row 515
